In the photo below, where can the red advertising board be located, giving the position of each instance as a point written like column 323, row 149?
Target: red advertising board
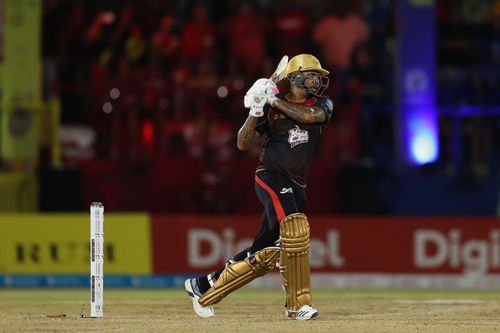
column 413, row 245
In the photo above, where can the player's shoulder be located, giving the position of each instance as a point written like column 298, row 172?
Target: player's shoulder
column 325, row 103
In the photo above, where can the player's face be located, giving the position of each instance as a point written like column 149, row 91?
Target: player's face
column 312, row 81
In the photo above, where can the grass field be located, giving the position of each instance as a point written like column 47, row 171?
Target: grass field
column 250, row 310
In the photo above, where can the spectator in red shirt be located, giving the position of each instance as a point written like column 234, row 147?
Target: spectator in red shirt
column 246, row 30
column 197, row 39
column 164, row 42
column 291, row 28
column 338, row 33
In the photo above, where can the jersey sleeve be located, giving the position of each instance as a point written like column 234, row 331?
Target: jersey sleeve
column 263, row 127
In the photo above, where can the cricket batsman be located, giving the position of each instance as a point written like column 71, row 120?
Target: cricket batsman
column 291, row 128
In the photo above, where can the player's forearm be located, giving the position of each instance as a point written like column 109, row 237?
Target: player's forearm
column 299, row 113
column 247, row 134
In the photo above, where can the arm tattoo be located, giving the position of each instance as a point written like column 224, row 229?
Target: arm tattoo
column 247, row 133
column 300, row 113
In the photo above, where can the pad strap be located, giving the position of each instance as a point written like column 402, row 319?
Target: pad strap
column 240, row 273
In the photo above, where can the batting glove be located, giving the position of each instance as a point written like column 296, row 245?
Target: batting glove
column 271, row 92
column 255, row 102
column 255, row 98
column 259, row 87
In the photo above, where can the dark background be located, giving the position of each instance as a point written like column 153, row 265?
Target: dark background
column 151, row 94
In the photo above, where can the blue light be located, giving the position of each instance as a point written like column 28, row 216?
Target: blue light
column 416, row 75
column 422, row 135
column 424, row 147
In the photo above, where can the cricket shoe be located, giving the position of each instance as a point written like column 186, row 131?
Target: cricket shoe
column 305, row 312
column 194, row 293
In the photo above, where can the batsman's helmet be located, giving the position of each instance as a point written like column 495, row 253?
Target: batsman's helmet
column 303, row 63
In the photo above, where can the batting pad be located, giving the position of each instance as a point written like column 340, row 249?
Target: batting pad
column 240, row 273
column 294, row 260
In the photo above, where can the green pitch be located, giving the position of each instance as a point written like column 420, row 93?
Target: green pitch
column 250, row 310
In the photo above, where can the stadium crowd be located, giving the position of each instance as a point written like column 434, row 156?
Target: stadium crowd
column 158, row 86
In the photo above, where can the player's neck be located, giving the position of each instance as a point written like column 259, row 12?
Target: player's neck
column 294, row 98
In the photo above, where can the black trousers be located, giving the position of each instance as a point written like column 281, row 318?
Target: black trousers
column 280, row 197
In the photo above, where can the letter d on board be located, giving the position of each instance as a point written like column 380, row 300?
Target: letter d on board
column 196, row 237
column 421, row 240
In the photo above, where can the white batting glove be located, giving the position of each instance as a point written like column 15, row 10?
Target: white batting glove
column 256, row 113
column 271, row 92
column 255, row 102
column 259, row 87
column 255, row 98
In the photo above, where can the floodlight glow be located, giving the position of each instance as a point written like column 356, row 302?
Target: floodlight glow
column 422, row 137
column 416, row 75
column 423, row 147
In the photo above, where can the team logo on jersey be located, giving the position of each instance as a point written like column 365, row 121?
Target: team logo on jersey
column 296, row 136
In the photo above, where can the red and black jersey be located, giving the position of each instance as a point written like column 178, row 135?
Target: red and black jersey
column 289, row 146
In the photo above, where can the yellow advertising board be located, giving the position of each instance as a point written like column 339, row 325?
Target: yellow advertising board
column 59, row 243
column 21, row 81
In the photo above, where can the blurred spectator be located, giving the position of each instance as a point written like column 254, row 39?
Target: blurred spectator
column 291, row 28
column 338, row 33
column 161, row 79
column 236, row 84
column 246, row 30
column 164, row 42
column 99, row 29
column 202, row 82
column 208, row 133
column 157, row 97
column 180, row 108
column 124, row 21
column 197, row 38
column 135, row 46
column 72, row 61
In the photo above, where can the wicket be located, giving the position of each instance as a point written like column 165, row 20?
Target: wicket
column 96, row 260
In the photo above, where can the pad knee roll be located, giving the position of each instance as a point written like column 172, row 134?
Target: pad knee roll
column 240, row 273
column 294, row 260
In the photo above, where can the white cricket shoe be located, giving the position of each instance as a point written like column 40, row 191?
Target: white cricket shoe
column 305, row 312
column 195, row 294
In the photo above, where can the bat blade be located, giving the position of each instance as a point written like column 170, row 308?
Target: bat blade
column 279, row 73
